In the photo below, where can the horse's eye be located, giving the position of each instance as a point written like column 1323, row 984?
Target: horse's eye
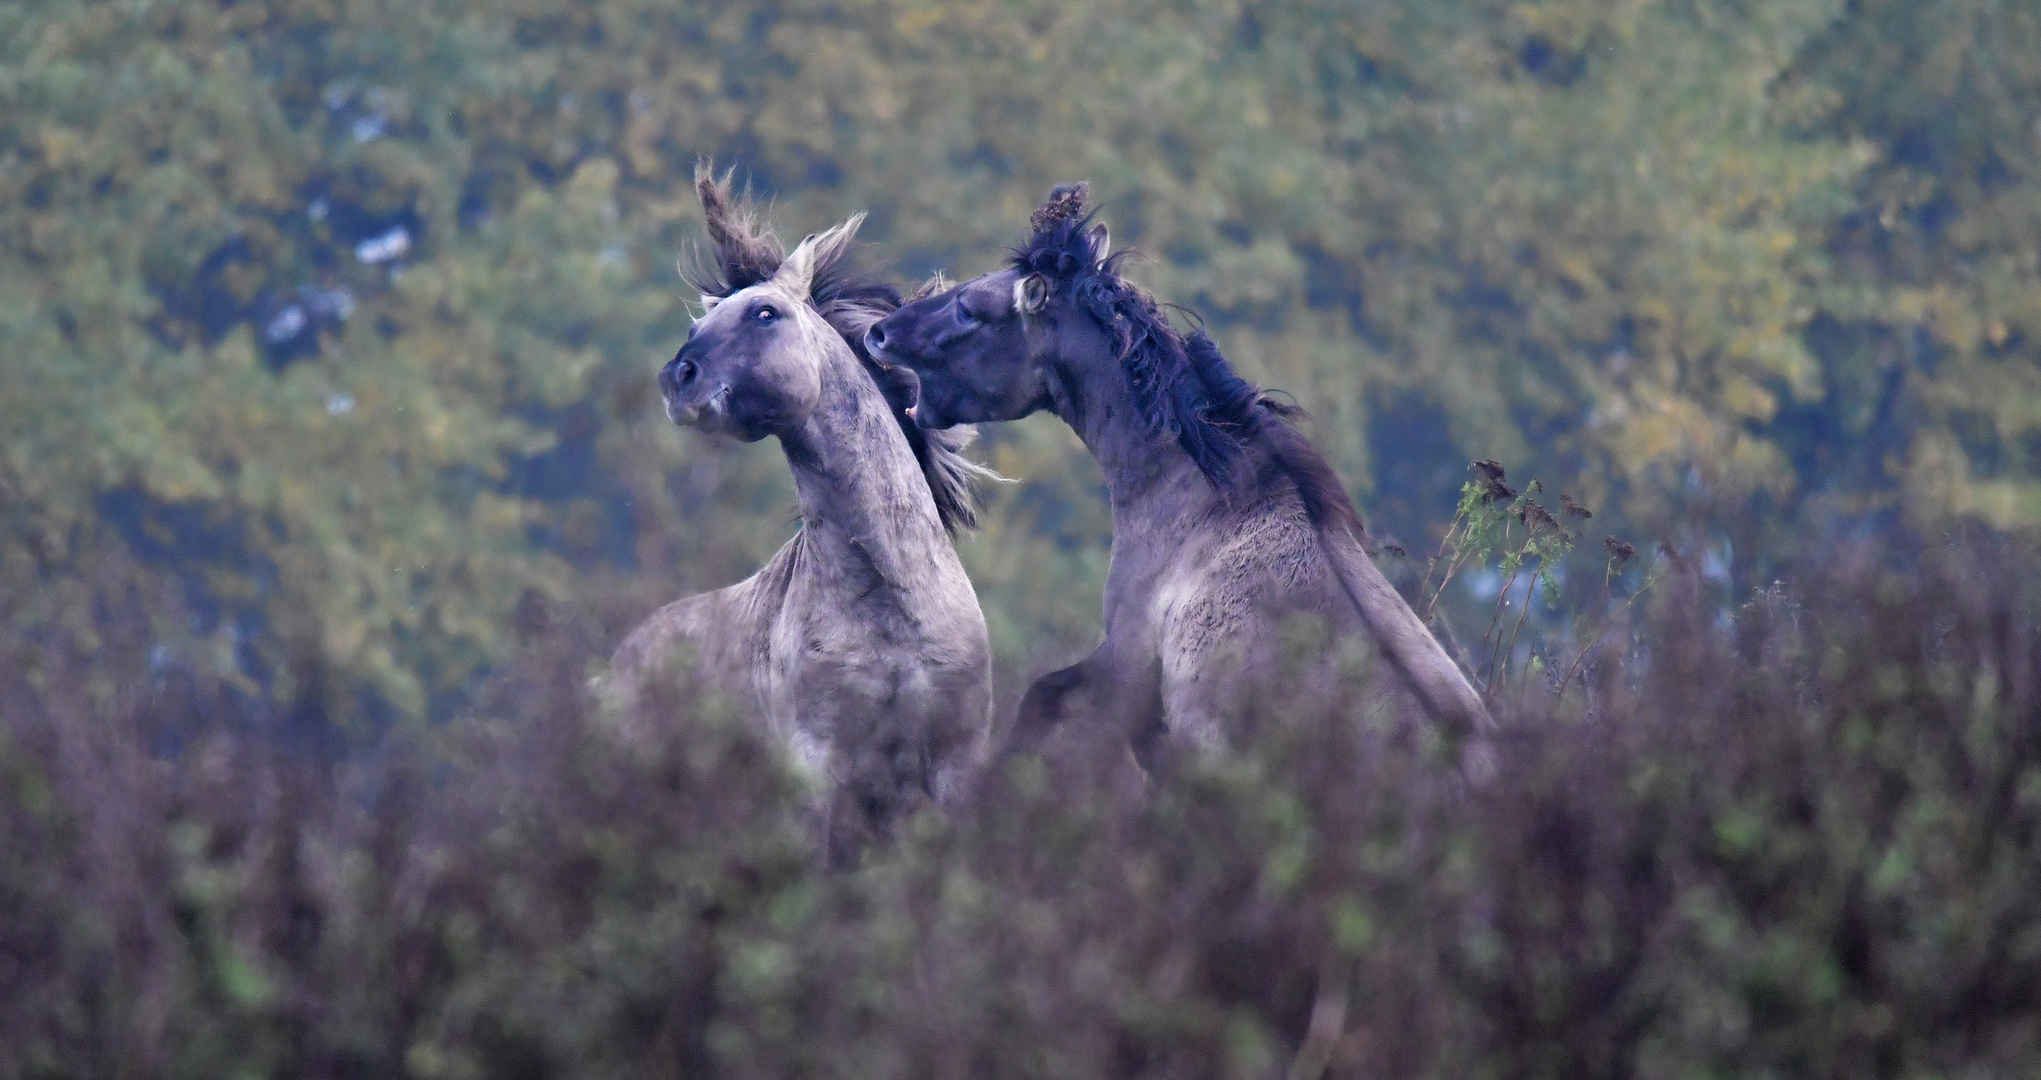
column 765, row 314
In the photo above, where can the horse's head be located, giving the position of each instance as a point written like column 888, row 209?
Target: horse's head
column 986, row 350
column 1059, row 328
column 752, row 364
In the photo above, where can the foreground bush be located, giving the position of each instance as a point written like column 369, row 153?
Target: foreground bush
column 1801, row 839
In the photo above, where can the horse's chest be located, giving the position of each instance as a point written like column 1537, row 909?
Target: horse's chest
column 819, row 658
column 825, row 643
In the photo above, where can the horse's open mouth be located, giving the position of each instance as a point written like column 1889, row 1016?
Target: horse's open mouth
column 716, row 405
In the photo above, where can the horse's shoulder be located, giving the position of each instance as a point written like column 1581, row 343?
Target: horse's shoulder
column 714, row 625
column 691, row 622
column 770, row 584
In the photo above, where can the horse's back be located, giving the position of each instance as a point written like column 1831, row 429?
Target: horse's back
column 1255, row 617
column 714, row 640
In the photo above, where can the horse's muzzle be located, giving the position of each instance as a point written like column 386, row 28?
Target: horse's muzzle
column 689, row 394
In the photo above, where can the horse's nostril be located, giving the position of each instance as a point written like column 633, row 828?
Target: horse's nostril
column 687, row 372
column 876, row 336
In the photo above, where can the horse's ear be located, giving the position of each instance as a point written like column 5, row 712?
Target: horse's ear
column 1031, row 294
column 816, row 253
column 1100, row 241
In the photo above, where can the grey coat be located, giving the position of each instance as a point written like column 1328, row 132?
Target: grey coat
column 859, row 645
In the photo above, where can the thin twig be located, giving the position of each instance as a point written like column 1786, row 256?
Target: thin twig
column 1461, row 552
column 1495, row 621
column 1650, row 579
column 1433, row 564
column 1521, row 616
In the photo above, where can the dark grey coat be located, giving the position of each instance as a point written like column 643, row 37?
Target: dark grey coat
column 1234, row 547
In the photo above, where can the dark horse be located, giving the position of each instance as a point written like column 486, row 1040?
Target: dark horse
column 1227, row 523
column 860, row 645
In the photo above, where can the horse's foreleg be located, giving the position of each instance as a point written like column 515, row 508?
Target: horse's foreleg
column 1110, row 717
column 1043, row 707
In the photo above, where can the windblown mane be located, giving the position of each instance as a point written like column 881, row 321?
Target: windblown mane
column 744, row 251
column 1183, row 386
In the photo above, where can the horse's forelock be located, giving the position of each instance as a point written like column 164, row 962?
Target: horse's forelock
column 743, row 249
column 1065, row 203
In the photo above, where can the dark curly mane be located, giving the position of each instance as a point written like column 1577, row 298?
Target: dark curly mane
column 744, row 251
column 1183, row 386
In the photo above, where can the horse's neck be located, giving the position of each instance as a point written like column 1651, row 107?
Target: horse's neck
column 1154, row 486
column 1159, row 497
column 865, row 507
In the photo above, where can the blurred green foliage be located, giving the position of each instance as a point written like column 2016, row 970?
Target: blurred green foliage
column 340, row 315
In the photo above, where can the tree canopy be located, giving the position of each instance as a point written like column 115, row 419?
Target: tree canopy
column 339, row 317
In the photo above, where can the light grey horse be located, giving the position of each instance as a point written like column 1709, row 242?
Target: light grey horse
column 1229, row 529
column 860, row 644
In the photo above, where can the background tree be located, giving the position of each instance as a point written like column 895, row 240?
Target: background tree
column 341, row 316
